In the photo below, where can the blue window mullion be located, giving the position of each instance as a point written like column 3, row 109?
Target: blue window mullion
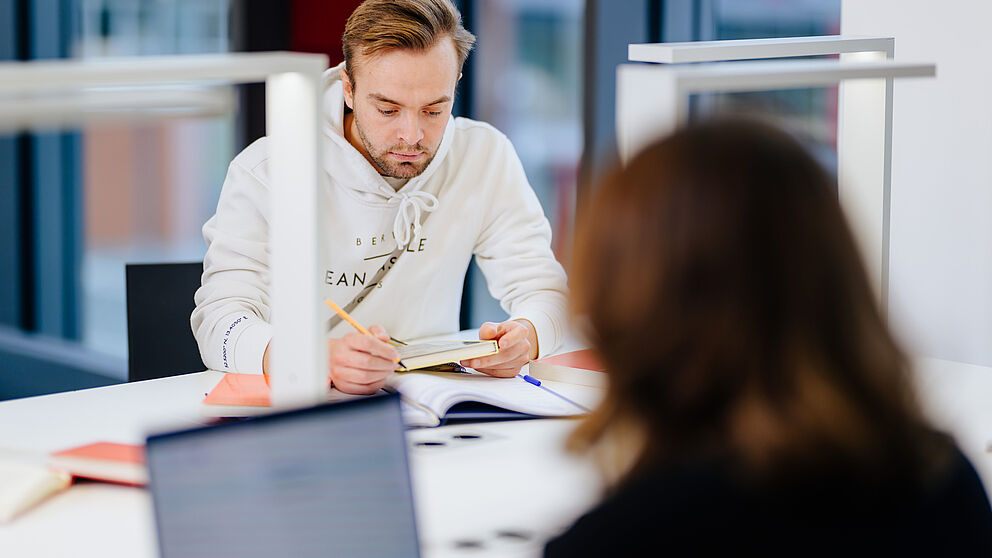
column 41, row 227
column 11, row 252
column 72, row 234
column 55, row 177
column 10, row 233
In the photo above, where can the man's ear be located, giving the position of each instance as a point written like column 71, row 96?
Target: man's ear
column 348, row 87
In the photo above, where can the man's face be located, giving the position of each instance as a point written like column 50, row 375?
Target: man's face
column 401, row 101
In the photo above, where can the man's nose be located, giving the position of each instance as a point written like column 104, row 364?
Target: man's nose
column 410, row 131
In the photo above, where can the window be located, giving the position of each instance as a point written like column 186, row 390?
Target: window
column 526, row 79
column 810, row 112
column 80, row 203
column 147, row 188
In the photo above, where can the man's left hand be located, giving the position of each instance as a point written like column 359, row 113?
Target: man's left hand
column 517, row 342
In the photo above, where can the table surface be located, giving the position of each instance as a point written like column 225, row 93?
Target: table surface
column 515, row 478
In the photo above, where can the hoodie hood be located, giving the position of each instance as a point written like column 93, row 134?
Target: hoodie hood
column 350, row 170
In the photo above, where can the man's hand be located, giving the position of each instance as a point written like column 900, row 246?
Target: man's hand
column 360, row 363
column 517, row 341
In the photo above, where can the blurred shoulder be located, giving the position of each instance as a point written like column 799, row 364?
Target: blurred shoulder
column 478, row 131
column 255, row 158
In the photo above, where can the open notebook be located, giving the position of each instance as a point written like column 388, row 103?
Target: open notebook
column 429, row 398
column 439, row 396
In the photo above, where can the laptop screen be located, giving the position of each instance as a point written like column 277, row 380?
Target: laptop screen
column 330, row 480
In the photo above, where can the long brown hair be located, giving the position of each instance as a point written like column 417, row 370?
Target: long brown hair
column 727, row 297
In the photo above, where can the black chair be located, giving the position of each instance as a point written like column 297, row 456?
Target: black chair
column 159, row 302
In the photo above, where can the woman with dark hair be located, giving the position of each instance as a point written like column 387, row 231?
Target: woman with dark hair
column 756, row 398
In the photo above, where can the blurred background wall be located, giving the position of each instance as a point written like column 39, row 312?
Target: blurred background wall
column 940, row 265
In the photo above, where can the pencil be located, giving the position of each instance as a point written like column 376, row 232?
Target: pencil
column 344, row 315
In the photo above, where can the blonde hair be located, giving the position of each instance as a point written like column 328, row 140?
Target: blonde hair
column 378, row 26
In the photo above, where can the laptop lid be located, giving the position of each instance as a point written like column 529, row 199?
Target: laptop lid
column 331, row 480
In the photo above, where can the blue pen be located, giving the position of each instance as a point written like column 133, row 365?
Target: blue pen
column 534, row 381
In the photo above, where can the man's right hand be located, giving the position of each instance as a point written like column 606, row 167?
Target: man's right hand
column 360, row 363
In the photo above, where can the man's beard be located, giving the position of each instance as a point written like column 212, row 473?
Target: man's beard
column 395, row 169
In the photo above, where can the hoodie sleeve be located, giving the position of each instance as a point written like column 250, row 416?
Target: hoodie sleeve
column 514, row 252
column 230, row 321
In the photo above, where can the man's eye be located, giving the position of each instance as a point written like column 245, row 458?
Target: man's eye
column 433, row 112
column 389, row 112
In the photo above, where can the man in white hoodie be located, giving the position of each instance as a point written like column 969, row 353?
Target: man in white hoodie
column 412, row 195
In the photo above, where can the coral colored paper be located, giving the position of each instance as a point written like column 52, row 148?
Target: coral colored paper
column 586, row 359
column 107, row 451
column 240, row 389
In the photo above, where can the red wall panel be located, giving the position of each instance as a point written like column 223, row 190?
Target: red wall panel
column 317, row 26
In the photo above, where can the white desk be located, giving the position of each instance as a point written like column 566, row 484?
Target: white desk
column 515, row 478
column 957, row 398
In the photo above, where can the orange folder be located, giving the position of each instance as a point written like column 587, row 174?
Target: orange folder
column 107, row 451
column 104, row 461
column 240, row 389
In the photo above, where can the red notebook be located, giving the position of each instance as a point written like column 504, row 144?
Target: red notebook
column 248, row 390
column 104, row 461
column 584, row 367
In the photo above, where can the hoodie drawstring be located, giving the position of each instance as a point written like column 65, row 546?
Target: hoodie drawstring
column 406, row 227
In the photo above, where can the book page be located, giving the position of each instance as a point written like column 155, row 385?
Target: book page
column 434, row 347
column 417, row 415
column 587, row 396
column 25, row 485
column 422, row 355
column 440, row 391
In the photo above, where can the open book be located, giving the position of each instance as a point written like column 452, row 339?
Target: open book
column 437, row 396
column 429, row 397
column 433, row 353
column 24, row 485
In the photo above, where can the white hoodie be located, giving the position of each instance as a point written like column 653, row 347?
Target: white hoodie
column 475, row 199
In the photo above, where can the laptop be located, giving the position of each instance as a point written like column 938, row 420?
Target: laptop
column 331, row 480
